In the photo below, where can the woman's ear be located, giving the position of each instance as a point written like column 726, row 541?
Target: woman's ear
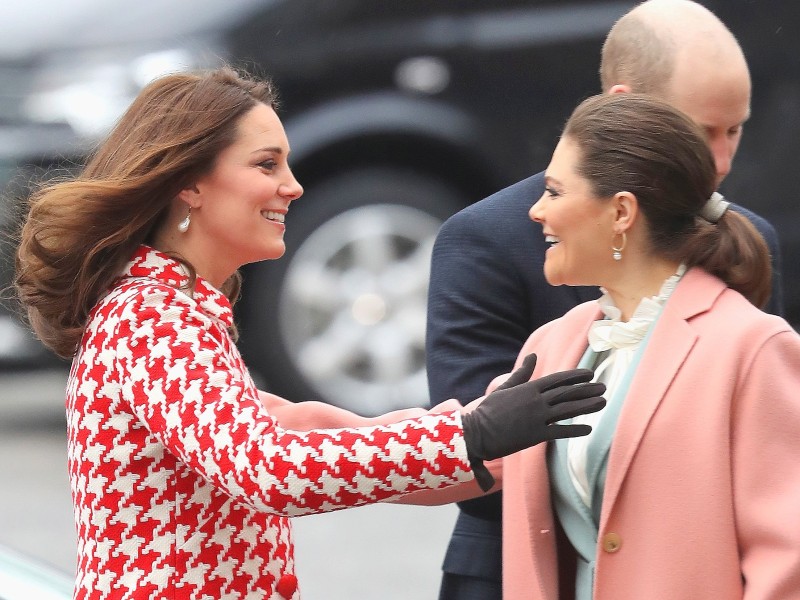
column 626, row 211
column 191, row 196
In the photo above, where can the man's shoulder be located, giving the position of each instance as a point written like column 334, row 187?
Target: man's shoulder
column 764, row 227
column 507, row 206
column 526, row 191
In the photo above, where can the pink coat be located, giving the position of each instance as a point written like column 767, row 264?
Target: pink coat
column 702, row 496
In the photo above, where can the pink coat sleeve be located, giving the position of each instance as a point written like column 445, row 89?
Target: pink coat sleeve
column 766, row 467
column 303, row 416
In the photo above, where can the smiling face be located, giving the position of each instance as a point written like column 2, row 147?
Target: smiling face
column 578, row 224
column 238, row 208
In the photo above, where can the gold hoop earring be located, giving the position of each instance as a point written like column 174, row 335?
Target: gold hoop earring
column 183, row 226
column 617, row 252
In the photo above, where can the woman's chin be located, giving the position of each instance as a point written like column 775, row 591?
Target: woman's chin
column 553, row 277
column 558, row 278
column 273, row 252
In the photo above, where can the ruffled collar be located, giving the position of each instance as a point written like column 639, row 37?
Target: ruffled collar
column 610, row 332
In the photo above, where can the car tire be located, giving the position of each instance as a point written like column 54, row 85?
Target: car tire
column 341, row 316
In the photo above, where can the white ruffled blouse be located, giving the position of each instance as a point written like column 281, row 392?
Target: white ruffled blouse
column 621, row 340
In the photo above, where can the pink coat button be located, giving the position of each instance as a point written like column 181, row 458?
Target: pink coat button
column 612, row 542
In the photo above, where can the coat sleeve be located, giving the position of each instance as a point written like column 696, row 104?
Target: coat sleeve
column 303, row 416
column 310, row 415
column 179, row 374
column 766, row 469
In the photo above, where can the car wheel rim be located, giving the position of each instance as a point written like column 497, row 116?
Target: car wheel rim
column 352, row 309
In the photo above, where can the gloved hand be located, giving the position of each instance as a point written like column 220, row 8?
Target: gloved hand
column 522, row 413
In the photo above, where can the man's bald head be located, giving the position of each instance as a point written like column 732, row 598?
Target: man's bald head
column 647, row 44
column 681, row 52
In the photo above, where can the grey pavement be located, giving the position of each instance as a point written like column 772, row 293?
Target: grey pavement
column 381, row 552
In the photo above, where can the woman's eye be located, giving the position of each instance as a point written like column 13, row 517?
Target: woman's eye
column 551, row 192
column 267, row 165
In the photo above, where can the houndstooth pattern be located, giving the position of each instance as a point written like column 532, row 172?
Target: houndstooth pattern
column 181, row 481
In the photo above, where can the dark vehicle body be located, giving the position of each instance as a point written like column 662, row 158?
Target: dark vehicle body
column 399, row 114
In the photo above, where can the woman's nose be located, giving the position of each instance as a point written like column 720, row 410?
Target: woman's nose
column 535, row 211
column 291, row 189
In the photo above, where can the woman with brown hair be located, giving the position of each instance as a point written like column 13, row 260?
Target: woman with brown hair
column 689, row 484
column 182, row 478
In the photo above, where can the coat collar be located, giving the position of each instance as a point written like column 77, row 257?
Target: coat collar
column 150, row 263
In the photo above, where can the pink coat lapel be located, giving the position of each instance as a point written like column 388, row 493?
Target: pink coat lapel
column 566, row 350
column 655, row 373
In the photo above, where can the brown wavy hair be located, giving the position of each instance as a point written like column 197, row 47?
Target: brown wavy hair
column 79, row 233
column 642, row 145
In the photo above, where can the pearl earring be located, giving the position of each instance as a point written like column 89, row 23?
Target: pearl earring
column 183, row 226
column 617, row 252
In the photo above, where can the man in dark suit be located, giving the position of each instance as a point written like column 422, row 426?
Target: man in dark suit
column 487, row 289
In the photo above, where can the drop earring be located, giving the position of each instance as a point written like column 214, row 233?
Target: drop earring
column 617, row 252
column 183, row 226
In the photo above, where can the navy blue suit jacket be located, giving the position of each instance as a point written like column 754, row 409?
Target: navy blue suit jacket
column 487, row 294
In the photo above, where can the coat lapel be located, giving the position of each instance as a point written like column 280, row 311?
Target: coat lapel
column 564, row 354
column 671, row 342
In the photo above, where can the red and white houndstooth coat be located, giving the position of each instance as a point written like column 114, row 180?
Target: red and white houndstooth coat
column 181, row 480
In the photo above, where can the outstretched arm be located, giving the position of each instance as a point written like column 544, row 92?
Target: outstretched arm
column 304, row 416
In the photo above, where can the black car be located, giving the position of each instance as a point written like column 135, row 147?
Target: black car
column 399, row 114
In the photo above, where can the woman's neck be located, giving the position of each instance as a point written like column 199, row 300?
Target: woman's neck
column 207, row 262
column 637, row 282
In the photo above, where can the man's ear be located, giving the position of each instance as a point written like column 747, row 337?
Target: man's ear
column 626, row 211
column 620, row 88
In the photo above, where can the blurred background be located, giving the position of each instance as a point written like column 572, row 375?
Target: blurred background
column 399, row 114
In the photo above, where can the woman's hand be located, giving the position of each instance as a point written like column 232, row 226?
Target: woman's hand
column 521, row 413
